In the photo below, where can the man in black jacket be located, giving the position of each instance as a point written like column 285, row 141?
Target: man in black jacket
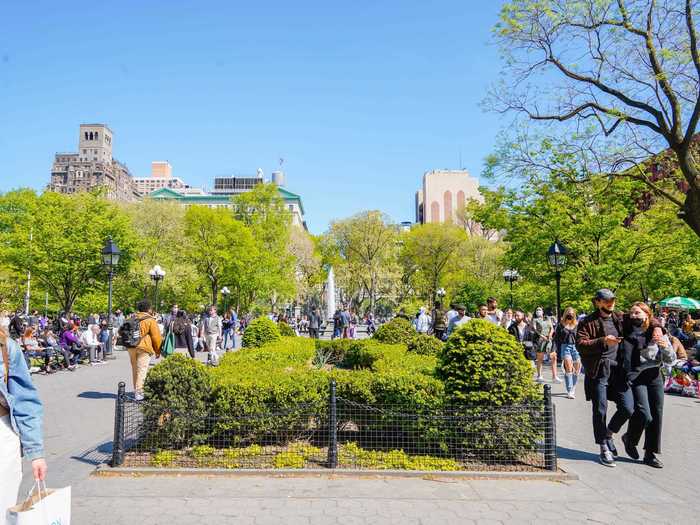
column 598, row 338
column 520, row 329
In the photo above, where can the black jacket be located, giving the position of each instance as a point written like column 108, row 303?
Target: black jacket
column 528, row 334
column 184, row 339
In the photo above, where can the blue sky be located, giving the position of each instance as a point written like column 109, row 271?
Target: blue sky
column 359, row 98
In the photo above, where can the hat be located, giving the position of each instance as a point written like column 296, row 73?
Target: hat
column 460, row 307
column 604, row 294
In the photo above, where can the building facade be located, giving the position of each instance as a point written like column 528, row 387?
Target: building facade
column 93, row 167
column 161, row 177
column 443, row 194
column 227, row 187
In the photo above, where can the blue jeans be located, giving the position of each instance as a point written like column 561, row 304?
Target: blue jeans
column 570, row 352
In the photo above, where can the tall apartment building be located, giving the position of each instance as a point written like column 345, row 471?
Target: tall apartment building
column 93, row 167
column 161, row 177
column 443, row 194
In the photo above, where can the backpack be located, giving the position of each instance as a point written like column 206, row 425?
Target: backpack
column 130, row 332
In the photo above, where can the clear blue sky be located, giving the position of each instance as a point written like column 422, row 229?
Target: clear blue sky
column 359, row 98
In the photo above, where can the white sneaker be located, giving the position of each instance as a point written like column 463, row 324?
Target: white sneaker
column 570, row 395
column 34, row 370
column 556, row 379
column 540, row 379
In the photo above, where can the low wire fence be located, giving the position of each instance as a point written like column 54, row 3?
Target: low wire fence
column 339, row 433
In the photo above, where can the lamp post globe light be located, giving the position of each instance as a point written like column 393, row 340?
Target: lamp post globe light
column 225, row 292
column 157, row 274
column 510, row 276
column 110, row 260
column 557, row 255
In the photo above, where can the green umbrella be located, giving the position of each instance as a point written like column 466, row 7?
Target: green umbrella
column 684, row 303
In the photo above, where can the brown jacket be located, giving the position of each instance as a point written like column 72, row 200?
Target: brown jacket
column 590, row 341
column 150, row 334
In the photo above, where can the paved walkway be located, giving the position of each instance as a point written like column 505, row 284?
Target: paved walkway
column 79, row 423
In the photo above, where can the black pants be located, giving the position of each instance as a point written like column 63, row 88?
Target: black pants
column 648, row 392
column 599, row 390
column 439, row 333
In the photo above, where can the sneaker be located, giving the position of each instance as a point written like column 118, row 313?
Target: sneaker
column 611, row 446
column 606, row 458
column 652, row 461
column 540, row 379
column 556, row 379
column 34, row 370
column 570, row 395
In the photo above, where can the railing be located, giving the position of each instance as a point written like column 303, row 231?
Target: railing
column 339, row 433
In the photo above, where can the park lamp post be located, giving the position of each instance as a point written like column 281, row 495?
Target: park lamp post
column 157, row 274
column 225, row 292
column 110, row 260
column 510, row 276
column 557, row 255
column 440, row 293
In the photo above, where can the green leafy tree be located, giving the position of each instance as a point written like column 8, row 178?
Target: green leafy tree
column 67, row 234
column 620, row 78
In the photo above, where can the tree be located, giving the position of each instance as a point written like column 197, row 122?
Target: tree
column 67, row 235
column 307, row 262
column 622, row 76
column 264, row 212
column 431, row 251
column 367, row 245
column 219, row 246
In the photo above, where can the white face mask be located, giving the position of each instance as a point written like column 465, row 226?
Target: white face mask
column 539, row 313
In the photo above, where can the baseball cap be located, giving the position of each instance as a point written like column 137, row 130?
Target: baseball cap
column 604, row 294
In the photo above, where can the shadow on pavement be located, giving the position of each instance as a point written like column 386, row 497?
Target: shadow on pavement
column 97, row 395
column 582, row 455
column 96, row 455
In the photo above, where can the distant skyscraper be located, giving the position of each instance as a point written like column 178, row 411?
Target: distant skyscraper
column 444, row 194
column 161, row 177
column 92, row 167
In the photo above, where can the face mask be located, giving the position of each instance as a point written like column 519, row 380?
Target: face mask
column 637, row 321
column 539, row 313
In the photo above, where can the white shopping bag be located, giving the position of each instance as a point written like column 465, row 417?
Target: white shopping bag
column 42, row 507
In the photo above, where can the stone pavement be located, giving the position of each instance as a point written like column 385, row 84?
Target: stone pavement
column 79, row 425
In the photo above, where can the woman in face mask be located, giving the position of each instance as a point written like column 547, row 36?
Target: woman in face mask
column 565, row 341
column 644, row 350
column 544, row 330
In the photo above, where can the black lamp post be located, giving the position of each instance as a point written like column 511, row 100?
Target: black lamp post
column 225, row 292
column 110, row 260
column 510, row 276
column 157, row 274
column 557, row 259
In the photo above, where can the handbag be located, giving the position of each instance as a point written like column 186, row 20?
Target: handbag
column 168, row 346
column 42, row 506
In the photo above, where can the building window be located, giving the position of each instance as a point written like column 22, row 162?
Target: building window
column 447, row 199
column 86, row 135
column 461, row 200
column 434, row 212
column 95, row 135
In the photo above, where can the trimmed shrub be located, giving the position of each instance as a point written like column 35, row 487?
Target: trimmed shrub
column 396, row 331
column 178, row 391
column 259, row 332
column 425, row 345
column 482, row 364
column 286, row 330
column 482, row 367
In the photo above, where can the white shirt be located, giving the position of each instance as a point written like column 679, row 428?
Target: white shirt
column 89, row 338
column 423, row 323
column 456, row 322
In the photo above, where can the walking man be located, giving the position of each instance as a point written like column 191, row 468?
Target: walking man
column 212, row 327
column 148, row 346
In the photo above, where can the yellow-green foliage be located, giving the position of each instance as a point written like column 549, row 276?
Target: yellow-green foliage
column 350, row 454
column 164, row 458
column 289, row 460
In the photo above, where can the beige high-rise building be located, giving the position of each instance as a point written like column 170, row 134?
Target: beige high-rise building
column 444, row 194
column 92, row 167
column 161, row 177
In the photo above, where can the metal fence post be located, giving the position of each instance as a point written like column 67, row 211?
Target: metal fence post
column 332, row 428
column 118, row 443
column 550, row 435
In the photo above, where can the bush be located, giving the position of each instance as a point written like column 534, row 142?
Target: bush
column 396, row 331
column 425, row 345
column 286, row 330
column 483, row 365
column 178, row 391
column 259, row 332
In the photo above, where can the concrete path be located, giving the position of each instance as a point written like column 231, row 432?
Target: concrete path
column 79, row 426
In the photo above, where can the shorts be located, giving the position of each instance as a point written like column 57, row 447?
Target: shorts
column 570, row 352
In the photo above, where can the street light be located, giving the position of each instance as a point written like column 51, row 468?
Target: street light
column 557, row 254
column 157, row 274
column 110, row 260
column 510, row 277
column 225, row 292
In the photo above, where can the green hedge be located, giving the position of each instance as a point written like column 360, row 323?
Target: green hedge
column 259, row 332
column 286, row 330
column 396, row 331
column 425, row 345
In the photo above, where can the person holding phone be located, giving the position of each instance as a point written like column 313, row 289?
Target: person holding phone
column 20, row 423
column 598, row 338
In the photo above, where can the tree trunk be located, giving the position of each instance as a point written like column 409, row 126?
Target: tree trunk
column 691, row 207
column 214, row 288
